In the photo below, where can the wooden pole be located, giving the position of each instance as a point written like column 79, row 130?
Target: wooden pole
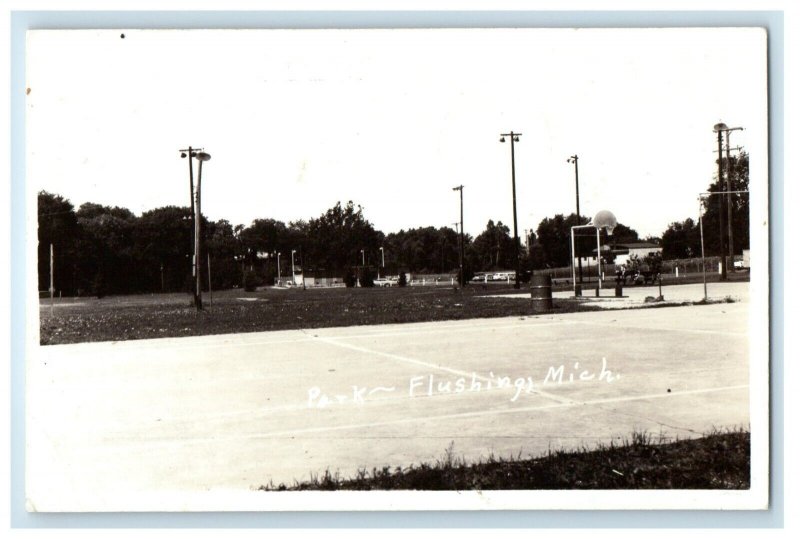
column 52, row 282
column 210, row 293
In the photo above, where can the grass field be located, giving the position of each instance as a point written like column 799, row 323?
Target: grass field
column 147, row 316
column 235, row 311
column 716, row 461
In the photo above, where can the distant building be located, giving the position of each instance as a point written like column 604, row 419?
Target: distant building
column 621, row 253
column 640, row 249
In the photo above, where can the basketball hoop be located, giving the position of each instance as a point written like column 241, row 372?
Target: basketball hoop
column 605, row 219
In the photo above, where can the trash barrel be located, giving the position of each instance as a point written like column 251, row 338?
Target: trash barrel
column 542, row 293
column 578, row 290
column 618, row 290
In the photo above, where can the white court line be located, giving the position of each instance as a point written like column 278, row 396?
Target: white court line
column 483, row 413
column 462, row 415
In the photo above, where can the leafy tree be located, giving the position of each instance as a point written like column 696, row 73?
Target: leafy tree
column 163, row 236
column 554, row 239
column 681, row 240
column 106, row 246
column 263, row 235
column 553, row 235
column 58, row 225
column 493, row 248
column 333, row 241
column 222, row 244
column 740, row 204
column 621, row 234
column 425, row 250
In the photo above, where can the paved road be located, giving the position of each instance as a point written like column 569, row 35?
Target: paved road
column 112, row 425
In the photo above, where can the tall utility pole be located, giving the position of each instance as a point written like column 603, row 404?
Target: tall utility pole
column 514, row 138
column 574, row 159
column 191, row 152
column 196, row 216
column 461, row 279
column 719, row 128
column 728, row 189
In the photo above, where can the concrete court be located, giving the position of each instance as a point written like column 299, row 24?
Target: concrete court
column 233, row 411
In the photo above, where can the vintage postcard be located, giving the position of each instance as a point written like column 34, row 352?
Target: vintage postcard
column 397, row 269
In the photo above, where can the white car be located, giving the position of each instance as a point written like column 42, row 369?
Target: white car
column 383, row 282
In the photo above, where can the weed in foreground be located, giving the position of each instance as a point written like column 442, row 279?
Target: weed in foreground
column 718, row 460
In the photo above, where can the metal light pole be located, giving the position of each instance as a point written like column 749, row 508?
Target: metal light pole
column 383, row 263
column 461, row 279
column 279, row 269
column 574, row 159
column 514, row 138
column 363, row 262
column 293, row 252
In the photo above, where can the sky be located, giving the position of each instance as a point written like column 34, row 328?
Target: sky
column 296, row 120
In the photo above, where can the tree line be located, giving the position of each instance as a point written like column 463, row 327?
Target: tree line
column 109, row 250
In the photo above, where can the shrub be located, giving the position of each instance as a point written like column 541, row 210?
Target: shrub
column 365, row 278
column 250, row 281
column 403, row 280
column 349, row 279
column 99, row 285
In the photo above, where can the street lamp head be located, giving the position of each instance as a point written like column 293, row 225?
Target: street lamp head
column 516, row 139
column 502, row 139
column 203, row 156
column 183, row 155
column 720, row 127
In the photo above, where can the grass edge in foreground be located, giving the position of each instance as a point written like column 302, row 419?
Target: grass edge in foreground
column 719, row 460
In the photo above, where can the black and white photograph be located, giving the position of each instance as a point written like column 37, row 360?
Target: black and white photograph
column 410, row 269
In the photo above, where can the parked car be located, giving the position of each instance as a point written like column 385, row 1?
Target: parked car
column 384, row 282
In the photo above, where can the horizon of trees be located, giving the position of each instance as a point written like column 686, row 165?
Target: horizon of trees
column 108, row 250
